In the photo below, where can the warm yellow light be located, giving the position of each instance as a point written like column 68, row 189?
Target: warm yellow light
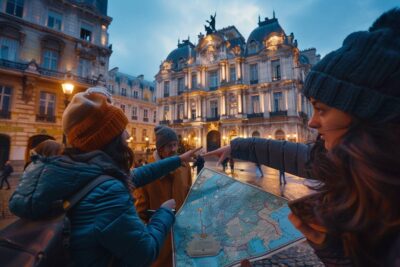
column 224, row 137
column 67, row 88
column 185, row 139
column 269, row 136
column 146, row 138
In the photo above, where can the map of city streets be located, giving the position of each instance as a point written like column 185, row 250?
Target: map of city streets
column 224, row 221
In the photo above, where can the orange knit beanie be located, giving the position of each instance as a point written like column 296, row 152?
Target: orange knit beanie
column 90, row 121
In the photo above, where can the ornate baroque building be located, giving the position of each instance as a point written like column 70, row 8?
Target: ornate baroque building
column 226, row 87
column 136, row 97
column 43, row 44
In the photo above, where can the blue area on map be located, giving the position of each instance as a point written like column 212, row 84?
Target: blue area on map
column 247, row 221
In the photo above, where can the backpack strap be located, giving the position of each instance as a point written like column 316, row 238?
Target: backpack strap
column 72, row 201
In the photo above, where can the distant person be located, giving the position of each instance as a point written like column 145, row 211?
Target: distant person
column 46, row 148
column 232, row 164
column 355, row 159
column 259, row 170
column 199, row 163
column 224, row 164
column 7, row 170
column 174, row 185
column 282, row 178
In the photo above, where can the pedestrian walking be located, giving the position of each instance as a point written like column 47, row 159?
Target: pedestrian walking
column 355, row 94
column 7, row 170
column 282, row 178
column 259, row 171
column 232, row 164
column 105, row 227
column 224, row 164
column 199, row 163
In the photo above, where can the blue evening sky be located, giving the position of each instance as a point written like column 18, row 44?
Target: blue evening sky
column 143, row 33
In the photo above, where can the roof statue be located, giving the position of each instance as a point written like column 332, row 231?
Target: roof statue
column 211, row 24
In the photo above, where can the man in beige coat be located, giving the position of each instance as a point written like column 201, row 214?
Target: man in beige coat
column 175, row 185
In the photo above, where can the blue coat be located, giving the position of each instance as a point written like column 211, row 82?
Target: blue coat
column 105, row 223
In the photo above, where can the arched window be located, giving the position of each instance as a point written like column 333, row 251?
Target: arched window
column 280, row 135
column 252, row 47
column 256, row 134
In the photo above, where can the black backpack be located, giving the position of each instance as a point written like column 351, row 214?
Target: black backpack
column 42, row 243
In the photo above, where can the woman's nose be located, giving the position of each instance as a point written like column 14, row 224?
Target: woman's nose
column 313, row 122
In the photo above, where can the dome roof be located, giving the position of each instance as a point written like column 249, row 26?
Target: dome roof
column 184, row 51
column 264, row 29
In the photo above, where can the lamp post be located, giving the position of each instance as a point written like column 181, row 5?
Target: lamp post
column 147, row 148
column 67, row 88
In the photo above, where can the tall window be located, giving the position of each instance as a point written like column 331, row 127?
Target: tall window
column 232, row 73
column 8, row 48
column 144, row 134
column 86, row 32
column 214, row 108
column 253, row 74
column 181, row 85
column 276, row 70
column 123, row 91
column 84, row 67
column 15, row 7
column 50, row 59
column 145, row 115
column 194, row 80
column 180, row 111
column 134, row 113
column 54, row 20
column 47, row 105
column 213, row 79
column 123, row 107
column 166, row 113
column 278, row 101
column 5, row 101
column 255, row 103
column 166, row 88
column 193, row 113
column 133, row 134
column 232, row 104
column 155, row 116
column 135, row 94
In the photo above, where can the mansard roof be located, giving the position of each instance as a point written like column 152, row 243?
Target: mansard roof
column 183, row 52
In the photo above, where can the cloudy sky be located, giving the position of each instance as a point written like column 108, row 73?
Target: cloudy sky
column 143, row 33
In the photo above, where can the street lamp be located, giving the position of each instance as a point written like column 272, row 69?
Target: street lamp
column 147, row 148
column 67, row 88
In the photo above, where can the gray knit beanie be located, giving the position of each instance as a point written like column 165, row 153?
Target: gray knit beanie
column 164, row 135
column 362, row 77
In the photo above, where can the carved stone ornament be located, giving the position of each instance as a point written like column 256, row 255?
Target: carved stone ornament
column 28, row 85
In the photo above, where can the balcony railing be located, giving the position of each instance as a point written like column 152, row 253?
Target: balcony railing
column 12, row 64
column 178, row 121
column 51, row 73
column 166, row 94
column 84, row 80
column 255, row 115
column 216, row 118
column 146, row 119
column 134, row 118
column 278, row 113
column 5, row 114
column 164, row 122
column 45, row 118
column 213, row 88
column 180, row 92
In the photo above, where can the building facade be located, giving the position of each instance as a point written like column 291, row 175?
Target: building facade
column 136, row 97
column 226, row 87
column 43, row 44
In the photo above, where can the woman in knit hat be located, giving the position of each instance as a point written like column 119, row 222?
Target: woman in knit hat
column 355, row 92
column 105, row 224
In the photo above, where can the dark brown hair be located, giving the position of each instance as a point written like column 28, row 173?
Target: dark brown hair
column 360, row 178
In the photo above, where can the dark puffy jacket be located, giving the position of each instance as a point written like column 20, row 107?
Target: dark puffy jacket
column 105, row 224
